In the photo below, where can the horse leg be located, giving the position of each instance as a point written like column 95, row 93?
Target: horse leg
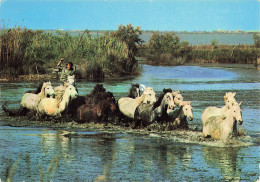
column 235, row 133
column 137, row 120
column 205, row 131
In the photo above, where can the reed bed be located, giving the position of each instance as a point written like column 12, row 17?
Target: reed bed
column 24, row 51
column 109, row 54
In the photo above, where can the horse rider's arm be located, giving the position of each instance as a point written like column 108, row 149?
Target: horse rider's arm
column 59, row 65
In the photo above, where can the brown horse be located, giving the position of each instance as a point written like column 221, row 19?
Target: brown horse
column 97, row 94
column 98, row 112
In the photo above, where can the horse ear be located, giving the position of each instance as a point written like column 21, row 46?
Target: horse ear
column 142, row 87
column 225, row 98
column 240, row 103
column 174, row 93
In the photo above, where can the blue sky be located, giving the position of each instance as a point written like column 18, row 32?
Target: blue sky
column 169, row 15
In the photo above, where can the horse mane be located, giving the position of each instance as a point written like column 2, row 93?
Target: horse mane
column 97, row 89
column 104, row 95
column 41, row 95
column 158, row 102
column 39, row 88
column 139, row 100
column 60, row 90
column 177, row 112
column 133, row 86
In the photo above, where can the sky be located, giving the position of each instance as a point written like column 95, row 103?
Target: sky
column 162, row 15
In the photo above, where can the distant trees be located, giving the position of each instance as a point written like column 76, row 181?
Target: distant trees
column 166, row 48
column 131, row 37
column 256, row 40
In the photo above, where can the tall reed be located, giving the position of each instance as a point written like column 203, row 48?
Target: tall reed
column 24, row 51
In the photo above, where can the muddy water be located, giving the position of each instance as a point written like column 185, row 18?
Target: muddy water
column 34, row 154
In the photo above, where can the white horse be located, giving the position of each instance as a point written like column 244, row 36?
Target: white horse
column 30, row 101
column 224, row 126
column 178, row 99
column 128, row 105
column 148, row 113
column 215, row 111
column 71, row 80
column 178, row 117
column 54, row 107
column 229, row 98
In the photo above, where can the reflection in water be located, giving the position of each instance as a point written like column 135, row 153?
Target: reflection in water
column 56, row 142
column 225, row 159
column 152, row 159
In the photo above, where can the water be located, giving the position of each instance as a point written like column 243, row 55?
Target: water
column 206, row 38
column 201, row 38
column 84, row 155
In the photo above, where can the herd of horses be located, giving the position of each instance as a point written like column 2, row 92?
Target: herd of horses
column 140, row 106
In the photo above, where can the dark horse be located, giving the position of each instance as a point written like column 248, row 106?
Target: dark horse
column 93, row 97
column 98, row 112
column 146, row 114
column 134, row 91
column 38, row 89
column 99, row 105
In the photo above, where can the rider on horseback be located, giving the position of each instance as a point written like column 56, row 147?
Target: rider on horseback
column 67, row 73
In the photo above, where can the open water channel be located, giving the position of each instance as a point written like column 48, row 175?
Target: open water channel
column 35, row 154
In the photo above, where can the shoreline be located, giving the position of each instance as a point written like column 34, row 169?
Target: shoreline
column 40, row 77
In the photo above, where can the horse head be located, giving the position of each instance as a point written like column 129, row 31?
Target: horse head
column 237, row 113
column 48, row 89
column 71, row 80
column 71, row 91
column 168, row 100
column 110, row 101
column 178, row 99
column 229, row 98
column 150, row 97
column 187, row 110
column 99, row 88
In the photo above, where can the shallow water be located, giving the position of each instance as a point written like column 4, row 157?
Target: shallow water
column 64, row 155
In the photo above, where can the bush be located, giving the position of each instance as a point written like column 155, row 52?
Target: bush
column 26, row 51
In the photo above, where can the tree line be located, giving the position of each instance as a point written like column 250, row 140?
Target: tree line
column 109, row 54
